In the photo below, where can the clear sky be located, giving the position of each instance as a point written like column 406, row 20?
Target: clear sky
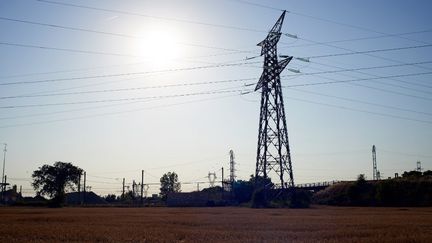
column 120, row 86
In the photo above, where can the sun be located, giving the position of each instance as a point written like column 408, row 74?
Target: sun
column 158, row 46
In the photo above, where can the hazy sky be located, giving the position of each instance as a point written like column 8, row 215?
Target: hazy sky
column 119, row 86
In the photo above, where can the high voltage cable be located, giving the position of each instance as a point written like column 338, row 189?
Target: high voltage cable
column 129, row 55
column 367, row 54
column 153, row 16
column 362, row 102
column 67, row 49
column 287, row 86
column 118, row 100
column 318, row 56
column 105, row 32
column 172, row 19
column 371, row 51
column 97, row 52
column 334, row 81
column 128, row 89
column 197, row 45
column 384, row 83
column 355, row 80
column 399, row 81
column 200, row 83
column 257, row 5
column 128, row 74
column 115, row 113
column 381, row 82
column 329, row 21
column 360, row 110
column 361, row 38
column 198, row 67
column 69, row 70
column 353, row 26
column 406, row 154
column 341, row 107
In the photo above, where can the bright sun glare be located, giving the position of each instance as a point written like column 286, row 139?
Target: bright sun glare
column 159, row 46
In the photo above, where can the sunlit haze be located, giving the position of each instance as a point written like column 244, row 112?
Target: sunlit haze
column 116, row 87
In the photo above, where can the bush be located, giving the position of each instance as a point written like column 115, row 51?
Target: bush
column 259, row 199
column 407, row 191
column 299, row 199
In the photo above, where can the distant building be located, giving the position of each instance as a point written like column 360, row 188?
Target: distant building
column 198, row 199
column 11, row 196
column 89, row 198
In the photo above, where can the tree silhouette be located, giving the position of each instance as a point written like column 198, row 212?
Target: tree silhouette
column 53, row 180
column 169, row 183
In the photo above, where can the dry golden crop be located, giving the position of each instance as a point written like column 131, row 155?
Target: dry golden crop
column 317, row 224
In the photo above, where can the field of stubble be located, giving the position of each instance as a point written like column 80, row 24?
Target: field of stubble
column 317, row 224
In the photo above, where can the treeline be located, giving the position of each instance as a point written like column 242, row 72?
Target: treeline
column 412, row 189
column 259, row 192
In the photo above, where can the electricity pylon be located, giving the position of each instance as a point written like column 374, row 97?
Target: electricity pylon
column 273, row 152
column 374, row 163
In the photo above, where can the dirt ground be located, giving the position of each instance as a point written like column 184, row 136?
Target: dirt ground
column 317, row 224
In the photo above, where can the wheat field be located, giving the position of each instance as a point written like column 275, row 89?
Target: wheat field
column 231, row 224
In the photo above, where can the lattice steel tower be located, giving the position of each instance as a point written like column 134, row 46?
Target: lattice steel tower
column 273, row 153
column 374, row 163
column 232, row 167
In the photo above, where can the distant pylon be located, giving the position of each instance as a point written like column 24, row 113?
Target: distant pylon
column 273, row 152
column 374, row 163
column 232, row 167
column 419, row 168
column 212, row 178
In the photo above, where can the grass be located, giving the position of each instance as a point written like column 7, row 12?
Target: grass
column 317, row 224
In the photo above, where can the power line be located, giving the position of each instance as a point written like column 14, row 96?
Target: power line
column 114, row 113
column 209, row 82
column 128, row 89
column 286, row 86
column 407, row 154
column 330, row 21
column 106, row 33
column 359, row 110
column 197, row 45
column 153, row 16
column 128, row 74
column 361, row 38
column 257, row 5
column 363, row 102
column 371, row 51
column 71, row 110
column 352, row 26
column 69, row 70
column 367, row 54
column 395, row 65
column 366, row 79
column 67, row 49
column 122, row 99
column 387, row 84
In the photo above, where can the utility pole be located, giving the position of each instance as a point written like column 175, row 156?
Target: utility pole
column 85, row 187
column 232, row 169
column 79, row 188
column 273, row 152
column 198, row 186
column 133, row 190
column 123, row 190
column 374, row 163
column 142, row 186
column 222, row 178
column 20, row 190
column 3, row 173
